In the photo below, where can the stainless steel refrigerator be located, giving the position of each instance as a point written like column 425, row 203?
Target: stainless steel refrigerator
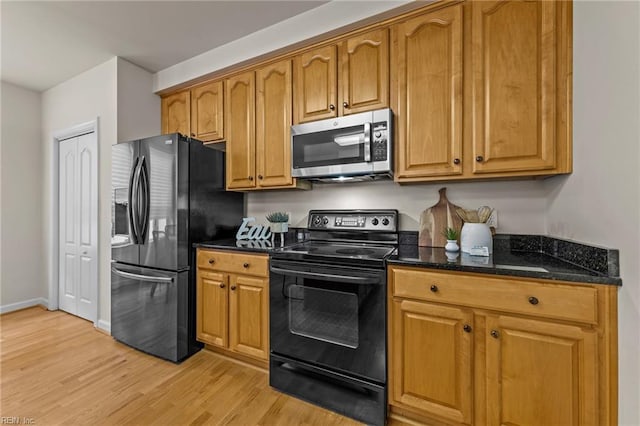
column 168, row 192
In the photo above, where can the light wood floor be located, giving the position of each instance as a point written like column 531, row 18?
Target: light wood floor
column 57, row 369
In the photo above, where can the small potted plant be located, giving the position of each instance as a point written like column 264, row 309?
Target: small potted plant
column 279, row 221
column 452, row 239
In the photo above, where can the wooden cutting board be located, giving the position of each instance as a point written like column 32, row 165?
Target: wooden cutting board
column 435, row 219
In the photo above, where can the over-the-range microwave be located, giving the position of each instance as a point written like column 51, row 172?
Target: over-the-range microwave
column 353, row 147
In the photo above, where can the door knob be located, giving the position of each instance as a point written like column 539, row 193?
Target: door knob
column 345, row 104
column 456, row 161
column 332, row 107
column 211, row 261
column 260, row 177
column 250, row 177
column 222, row 286
column 233, row 287
column 246, row 265
column 495, row 334
column 479, row 158
column 434, row 288
column 467, row 328
column 533, row 300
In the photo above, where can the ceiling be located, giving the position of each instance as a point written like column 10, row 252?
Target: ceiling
column 44, row 43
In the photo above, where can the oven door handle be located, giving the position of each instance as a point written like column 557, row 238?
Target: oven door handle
column 305, row 274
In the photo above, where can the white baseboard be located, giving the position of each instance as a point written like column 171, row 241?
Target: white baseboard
column 104, row 325
column 24, row 304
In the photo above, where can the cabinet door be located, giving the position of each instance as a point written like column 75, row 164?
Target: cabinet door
column 514, row 85
column 273, row 124
column 315, row 85
column 249, row 318
column 207, row 122
column 364, row 72
column 176, row 110
column 240, row 128
column 211, row 308
column 427, row 78
column 540, row 373
column 430, row 359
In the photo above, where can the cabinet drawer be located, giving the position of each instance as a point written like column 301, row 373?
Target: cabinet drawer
column 243, row 263
column 568, row 302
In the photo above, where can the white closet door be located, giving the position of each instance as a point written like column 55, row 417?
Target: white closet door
column 78, row 226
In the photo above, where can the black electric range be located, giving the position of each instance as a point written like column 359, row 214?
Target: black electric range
column 327, row 300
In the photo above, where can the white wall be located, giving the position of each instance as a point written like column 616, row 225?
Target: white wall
column 600, row 202
column 78, row 100
column 138, row 106
column 314, row 22
column 521, row 205
column 22, row 264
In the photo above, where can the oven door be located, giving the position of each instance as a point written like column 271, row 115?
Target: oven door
column 329, row 316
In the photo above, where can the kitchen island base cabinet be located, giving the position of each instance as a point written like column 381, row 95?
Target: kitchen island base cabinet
column 502, row 353
column 232, row 303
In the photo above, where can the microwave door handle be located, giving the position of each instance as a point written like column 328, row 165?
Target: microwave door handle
column 367, row 141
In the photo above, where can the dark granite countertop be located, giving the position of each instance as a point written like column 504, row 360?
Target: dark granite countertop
column 504, row 261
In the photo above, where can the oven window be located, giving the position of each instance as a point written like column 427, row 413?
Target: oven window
column 321, row 314
column 328, row 148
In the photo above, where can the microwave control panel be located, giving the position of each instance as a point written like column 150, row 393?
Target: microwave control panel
column 379, row 146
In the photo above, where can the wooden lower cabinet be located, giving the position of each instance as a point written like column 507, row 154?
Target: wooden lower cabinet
column 232, row 309
column 453, row 361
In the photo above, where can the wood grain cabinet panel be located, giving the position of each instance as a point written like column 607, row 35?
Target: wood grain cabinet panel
column 211, row 308
column 316, row 84
column 232, row 309
column 176, row 113
column 540, row 373
column 240, row 128
column 364, row 72
column 514, row 85
column 248, row 303
column 431, row 359
column 273, row 125
column 207, row 107
column 427, row 77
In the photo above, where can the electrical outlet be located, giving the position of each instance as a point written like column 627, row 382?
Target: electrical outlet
column 493, row 219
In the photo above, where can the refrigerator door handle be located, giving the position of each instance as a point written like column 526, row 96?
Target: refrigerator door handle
column 146, row 278
column 133, row 203
column 146, row 201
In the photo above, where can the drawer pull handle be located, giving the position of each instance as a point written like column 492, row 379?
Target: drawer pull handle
column 495, row 334
column 434, row 288
column 246, row 265
column 222, row 285
column 211, row 261
column 467, row 328
column 533, row 300
column 233, row 287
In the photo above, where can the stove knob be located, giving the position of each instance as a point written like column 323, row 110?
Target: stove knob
column 374, row 221
column 325, row 220
column 385, row 221
column 316, row 220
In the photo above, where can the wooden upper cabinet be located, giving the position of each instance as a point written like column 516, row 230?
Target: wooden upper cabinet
column 176, row 113
column 514, row 85
column 541, row 373
column 427, row 77
column 239, row 104
column 364, row 72
column 273, row 125
column 431, row 359
column 316, row 84
column 207, row 119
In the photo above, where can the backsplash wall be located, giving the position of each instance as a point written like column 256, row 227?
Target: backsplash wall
column 520, row 204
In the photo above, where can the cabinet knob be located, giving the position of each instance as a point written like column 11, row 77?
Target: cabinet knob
column 222, row 286
column 479, row 158
column 434, row 288
column 456, row 161
column 212, row 261
column 467, row 328
column 193, row 135
column 345, row 104
column 332, row 107
column 250, row 177
column 495, row 334
column 233, row 287
column 246, row 265
column 533, row 300
column 260, row 177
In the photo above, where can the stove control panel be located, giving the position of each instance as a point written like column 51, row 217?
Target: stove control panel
column 361, row 220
